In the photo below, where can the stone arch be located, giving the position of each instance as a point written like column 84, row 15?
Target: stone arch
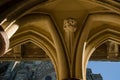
column 42, row 43
column 55, row 40
column 83, row 39
column 112, row 5
column 90, row 48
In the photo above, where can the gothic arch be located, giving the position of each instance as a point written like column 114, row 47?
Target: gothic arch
column 112, row 5
column 91, row 47
column 45, row 45
column 53, row 36
column 102, row 18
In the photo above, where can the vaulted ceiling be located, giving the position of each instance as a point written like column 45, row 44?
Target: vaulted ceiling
column 66, row 31
column 35, row 17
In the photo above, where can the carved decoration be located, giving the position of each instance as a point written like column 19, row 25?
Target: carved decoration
column 70, row 24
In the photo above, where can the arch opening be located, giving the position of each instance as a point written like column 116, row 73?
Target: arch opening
column 27, row 61
column 103, row 60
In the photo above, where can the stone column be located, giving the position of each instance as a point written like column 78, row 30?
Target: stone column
column 4, row 41
column 6, row 32
column 70, row 26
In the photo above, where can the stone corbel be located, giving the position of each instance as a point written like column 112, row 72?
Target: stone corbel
column 70, row 26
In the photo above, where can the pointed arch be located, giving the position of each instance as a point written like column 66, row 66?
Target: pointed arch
column 37, row 40
column 92, row 45
column 108, row 18
column 50, row 34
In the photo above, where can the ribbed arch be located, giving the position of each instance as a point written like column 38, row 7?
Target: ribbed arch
column 52, row 37
column 32, row 31
column 103, row 18
column 92, row 45
column 32, row 37
column 102, row 32
column 112, row 4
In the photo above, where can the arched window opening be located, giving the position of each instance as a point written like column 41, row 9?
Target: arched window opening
column 104, row 62
column 32, row 64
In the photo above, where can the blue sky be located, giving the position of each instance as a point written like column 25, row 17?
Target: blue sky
column 108, row 70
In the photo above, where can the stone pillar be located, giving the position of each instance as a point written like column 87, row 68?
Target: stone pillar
column 4, row 41
column 70, row 26
column 5, row 34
